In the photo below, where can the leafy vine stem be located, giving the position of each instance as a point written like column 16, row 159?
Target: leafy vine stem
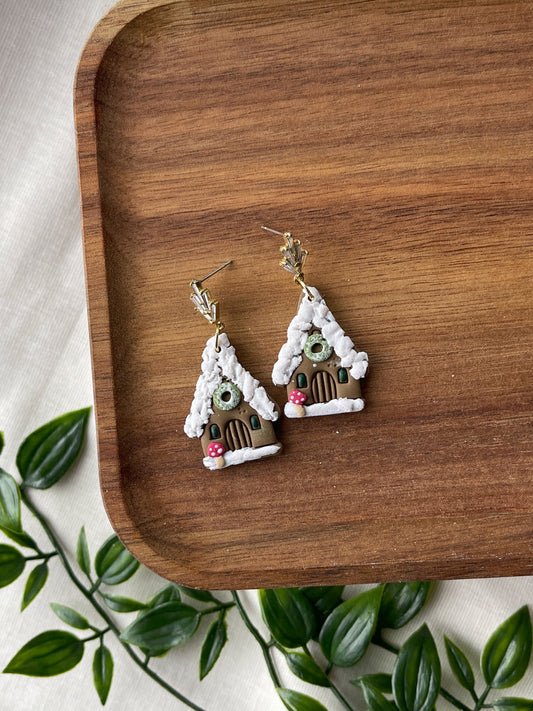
column 89, row 595
column 315, row 630
column 265, row 647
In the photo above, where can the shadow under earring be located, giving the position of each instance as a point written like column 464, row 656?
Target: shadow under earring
column 318, row 364
column 231, row 413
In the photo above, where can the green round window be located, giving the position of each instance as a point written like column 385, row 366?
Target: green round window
column 317, row 348
column 226, row 396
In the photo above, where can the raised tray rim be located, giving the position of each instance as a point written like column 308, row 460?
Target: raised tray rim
column 91, row 57
column 100, row 328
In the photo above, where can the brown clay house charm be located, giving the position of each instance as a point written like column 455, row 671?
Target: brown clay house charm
column 319, row 364
column 231, row 412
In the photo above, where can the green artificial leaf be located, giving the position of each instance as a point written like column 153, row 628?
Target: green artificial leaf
column 289, row 616
column 12, row 563
column 70, row 616
column 460, row 666
column 215, row 640
column 375, row 700
column 200, row 595
column 511, row 703
column 305, row 668
column 82, row 553
column 48, row 453
column 295, row 701
column 113, row 563
column 167, row 594
column 349, row 629
column 34, row 584
column 102, row 672
column 401, row 602
column 162, row 627
column 506, row 655
column 10, row 523
column 417, row 673
column 48, row 654
column 324, row 599
column 380, row 682
column 117, row 603
column 20, row 537
column 9, row 502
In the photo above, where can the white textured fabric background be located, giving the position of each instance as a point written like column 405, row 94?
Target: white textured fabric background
column 45, row 371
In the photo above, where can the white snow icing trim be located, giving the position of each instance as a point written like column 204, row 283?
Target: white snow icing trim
column 216, row 367
column 246, row 454
column 316, row 313
column 333, row 407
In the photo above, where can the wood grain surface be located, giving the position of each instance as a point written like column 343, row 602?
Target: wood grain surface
column 395, row 139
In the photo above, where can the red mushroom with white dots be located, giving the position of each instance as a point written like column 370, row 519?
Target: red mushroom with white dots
column 216, row 450
column 297, row 397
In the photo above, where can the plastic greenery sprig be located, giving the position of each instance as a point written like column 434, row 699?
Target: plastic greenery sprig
column 163, row 622
column 313, row 631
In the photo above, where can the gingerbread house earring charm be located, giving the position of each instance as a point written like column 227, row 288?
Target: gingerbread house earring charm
column 318, row 365
column 231, row 412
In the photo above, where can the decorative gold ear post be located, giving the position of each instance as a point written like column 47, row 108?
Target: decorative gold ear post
column 206, row 305
column 294, row 256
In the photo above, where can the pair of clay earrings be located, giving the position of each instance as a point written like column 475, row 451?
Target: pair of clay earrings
column 231, row 412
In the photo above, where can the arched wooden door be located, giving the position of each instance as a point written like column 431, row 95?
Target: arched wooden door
column 323, row 387
column 237, row 435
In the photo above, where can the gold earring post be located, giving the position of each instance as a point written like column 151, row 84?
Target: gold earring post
column 274, row 232
column 206, row 305
column 215, row 271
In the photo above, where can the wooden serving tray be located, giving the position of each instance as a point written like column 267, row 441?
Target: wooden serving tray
column 395, row 139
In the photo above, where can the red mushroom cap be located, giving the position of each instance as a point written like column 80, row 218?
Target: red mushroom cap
column 215, row 449
column 297, row 397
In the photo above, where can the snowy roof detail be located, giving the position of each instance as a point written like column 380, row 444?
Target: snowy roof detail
column 316, row 313
column 217, row 367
